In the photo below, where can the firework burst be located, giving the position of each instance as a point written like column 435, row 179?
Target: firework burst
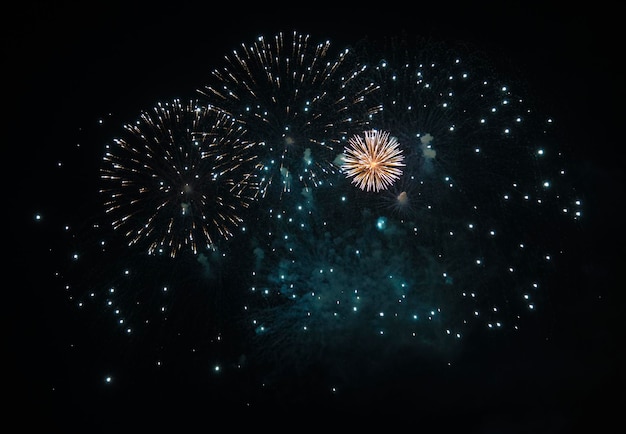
column 373, row 160
column 178, row 179
column 298, row 101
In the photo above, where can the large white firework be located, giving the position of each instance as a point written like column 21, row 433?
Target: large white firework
column 299, row 100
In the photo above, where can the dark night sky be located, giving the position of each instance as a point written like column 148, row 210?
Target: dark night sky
column 68, row 65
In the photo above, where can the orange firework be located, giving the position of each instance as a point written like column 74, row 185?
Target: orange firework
column 373, row 160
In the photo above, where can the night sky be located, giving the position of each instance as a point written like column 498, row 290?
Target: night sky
column 77, row 73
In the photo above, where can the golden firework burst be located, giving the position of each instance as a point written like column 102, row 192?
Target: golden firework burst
column 373, row 160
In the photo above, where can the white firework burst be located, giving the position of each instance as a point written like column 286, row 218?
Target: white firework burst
column 373, row 160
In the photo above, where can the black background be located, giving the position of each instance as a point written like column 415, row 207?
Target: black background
column 66, row 65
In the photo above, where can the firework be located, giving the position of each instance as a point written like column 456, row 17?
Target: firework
column 298, row 100
column 178, row 179
column 454, row 229
column 471, row 240
column 373, row 161
column 177, row 184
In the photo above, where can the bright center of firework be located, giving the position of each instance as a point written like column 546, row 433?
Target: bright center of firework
column 373, row 160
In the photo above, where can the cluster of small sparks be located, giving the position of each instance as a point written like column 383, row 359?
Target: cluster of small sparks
column 445, row 159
